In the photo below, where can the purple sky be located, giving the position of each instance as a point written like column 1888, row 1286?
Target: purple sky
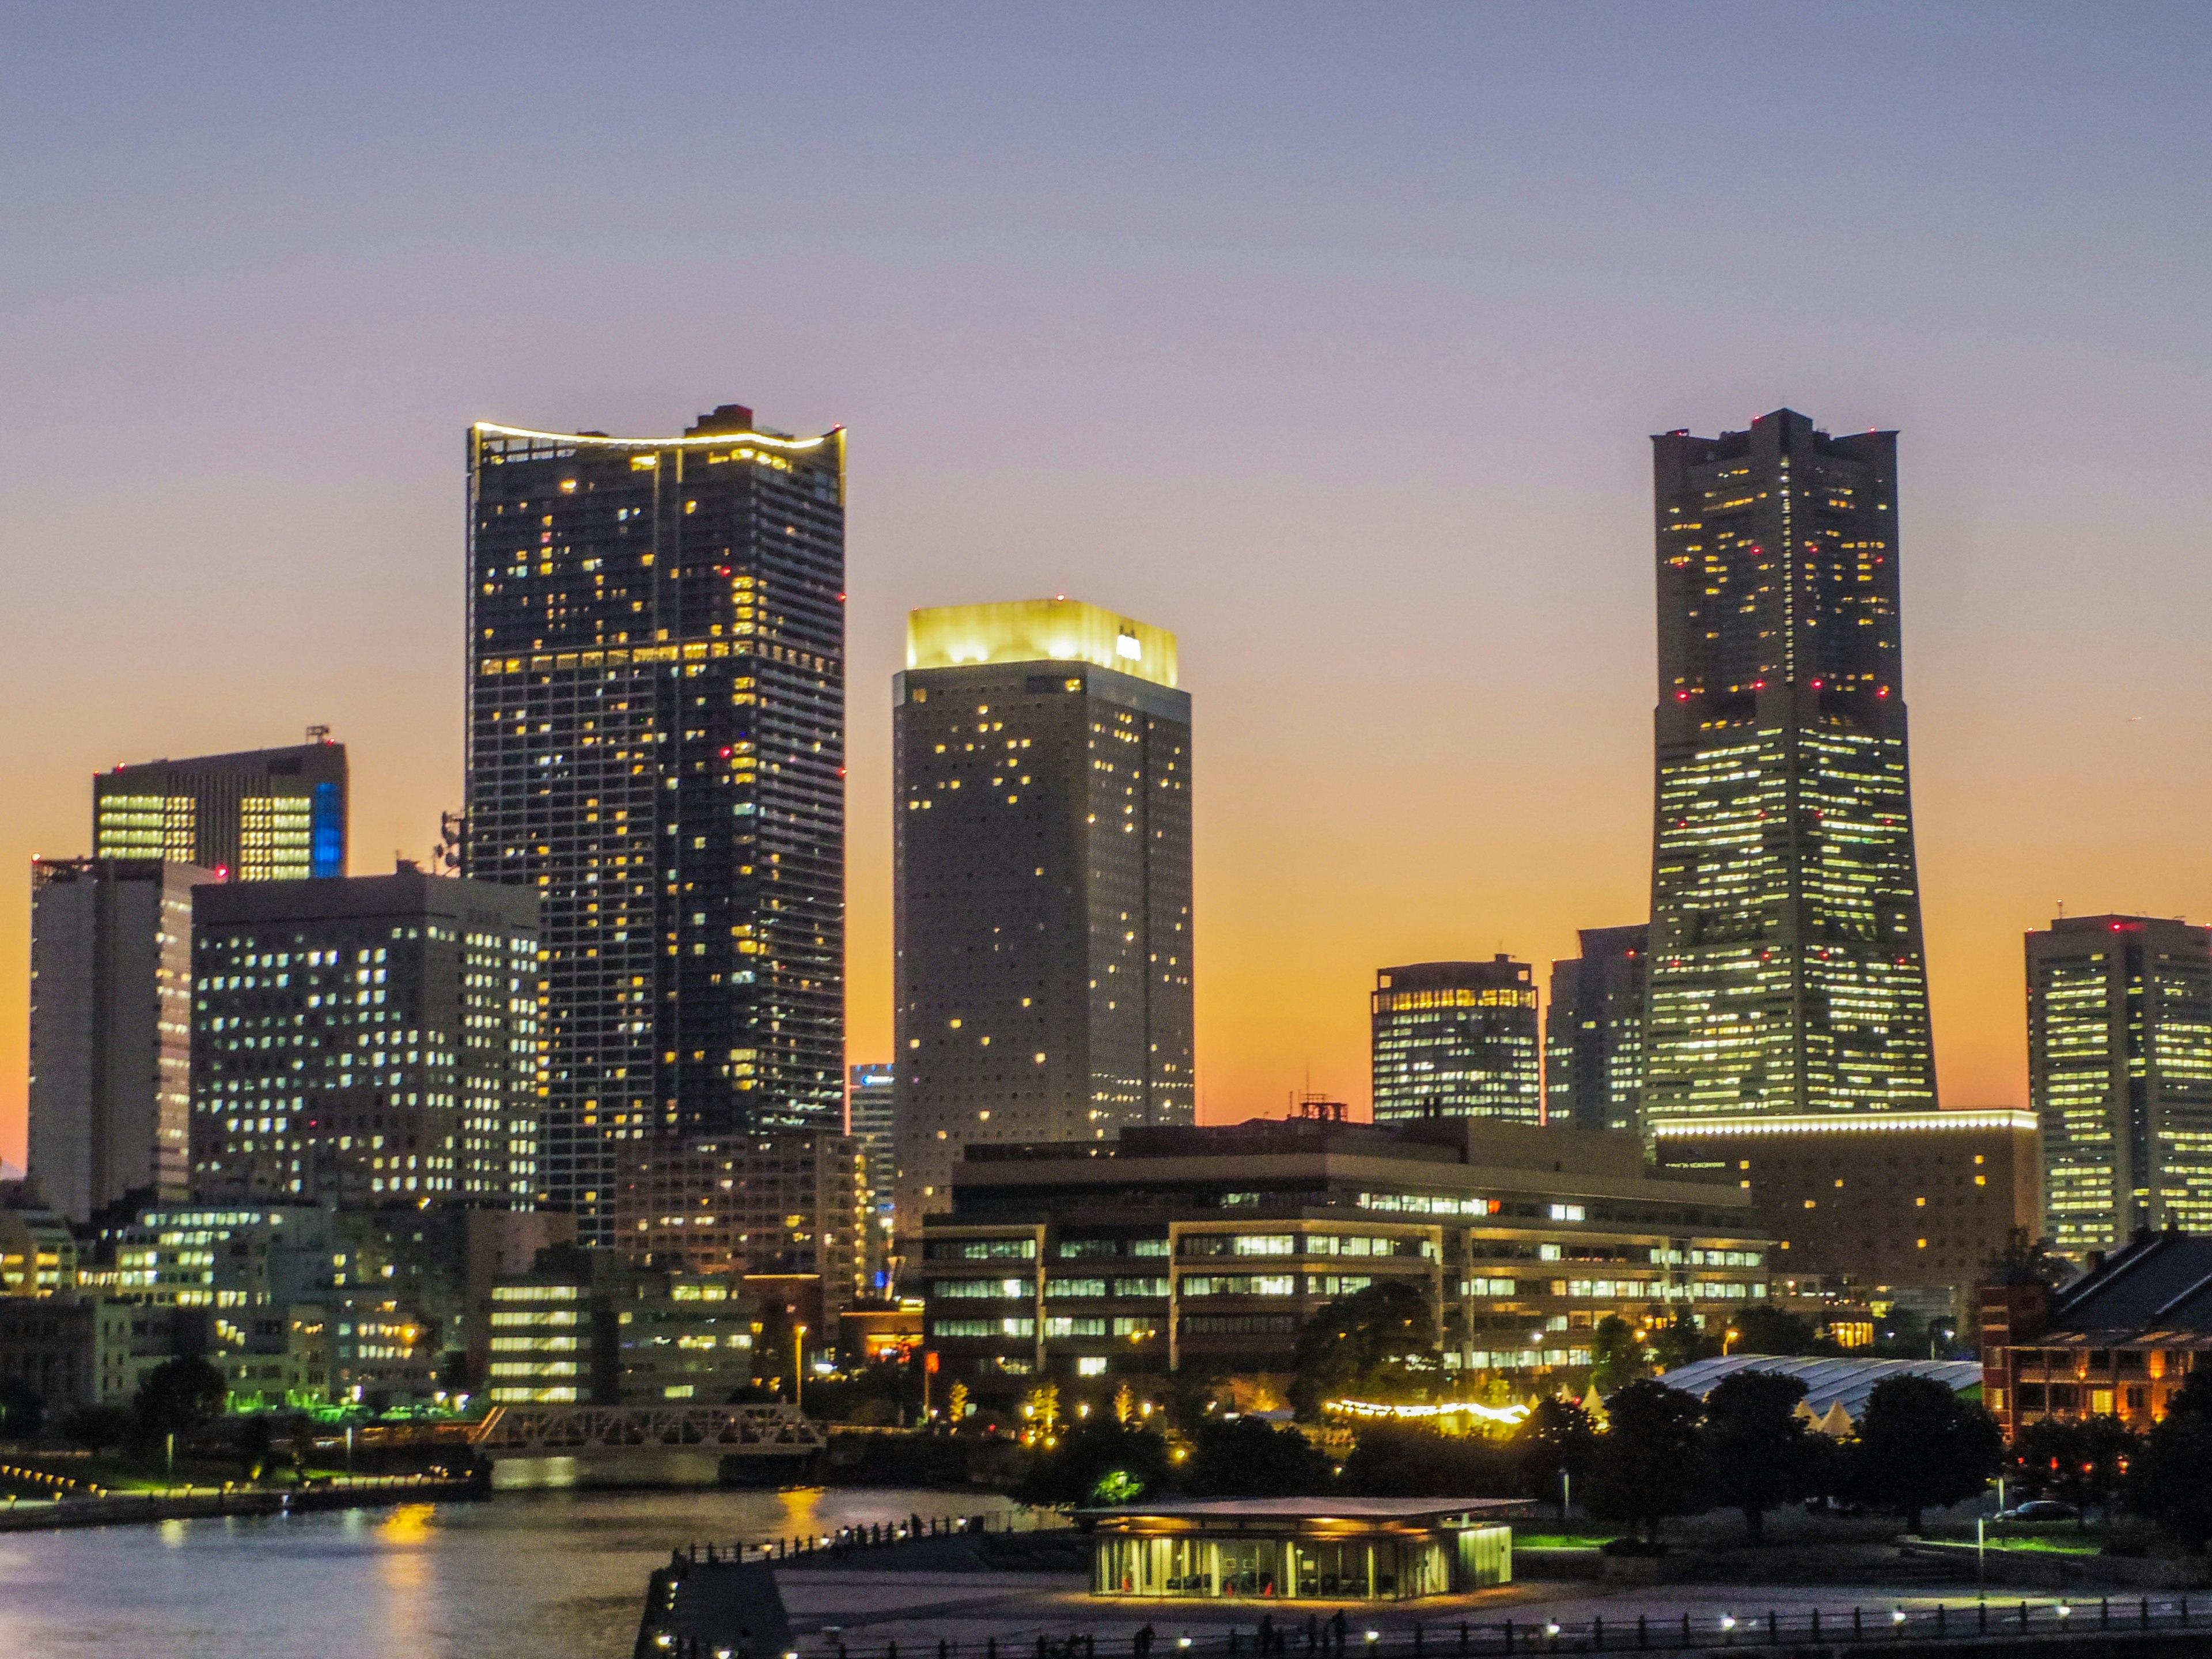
column 1328, row 337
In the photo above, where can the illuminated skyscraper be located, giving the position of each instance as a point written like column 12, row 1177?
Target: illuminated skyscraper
column 657, row 745
column 1787, row 972
column 2119, row 1070
column 260, row 815
column 1593, row 1032
column 1456, row 1039
column 1042, row 884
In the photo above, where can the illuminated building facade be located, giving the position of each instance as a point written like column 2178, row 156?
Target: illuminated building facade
column 871, row 1101
column 794, row 1202
column 1897, row 1207
column 656, row 745
column 1457, row 1039
column 1787, row 971
column 372, row 1040
column 1042, row 884
column 1593, row 1032
column 2119, row 1070
column 1208, row 1248
column 111, row 1030
column 584, row 1327
column 260, row 815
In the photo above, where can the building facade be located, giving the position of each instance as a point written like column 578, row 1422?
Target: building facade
column 1593, row 1032
column 259, row 814
column 1207, row 1250
column 1787, row 971
column 1456, row 1039
column 2117, row 1342
column 1042, row 884
column 1880, row 1208
column 871, row 1113
column 792, row 1203
column 111, row 1030
column 586, row 1326
column 372, row 1040
column 2120, row 1069
column 656, row 710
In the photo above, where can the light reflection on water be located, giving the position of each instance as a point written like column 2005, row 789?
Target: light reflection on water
column 527, row 1575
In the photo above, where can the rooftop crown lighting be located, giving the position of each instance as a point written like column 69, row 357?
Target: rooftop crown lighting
column 1039, row 630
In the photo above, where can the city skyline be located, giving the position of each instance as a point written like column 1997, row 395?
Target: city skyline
column 1144, row 360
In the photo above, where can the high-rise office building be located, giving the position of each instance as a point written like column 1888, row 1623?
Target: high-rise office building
column 1787, row 972
column 260, row 815
column 1043, row 875
column 1593, row 1032
column 2119, row 1070
column 372, row 1041
column 1457, row 1039
column 111, row 1030
column 656, row 745
column 870, row 1114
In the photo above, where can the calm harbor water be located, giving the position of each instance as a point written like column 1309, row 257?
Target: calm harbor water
column 525, row 1576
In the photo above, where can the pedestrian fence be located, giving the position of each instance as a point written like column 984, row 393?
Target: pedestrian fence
column 847, row 1540
column 1337, row 1639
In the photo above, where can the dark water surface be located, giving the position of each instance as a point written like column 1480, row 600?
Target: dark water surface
column 523, row 1575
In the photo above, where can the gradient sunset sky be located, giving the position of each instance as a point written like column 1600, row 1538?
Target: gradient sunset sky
column 1329, row 338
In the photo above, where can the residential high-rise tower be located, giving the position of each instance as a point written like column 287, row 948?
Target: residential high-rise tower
column 1593, row 1032
column 259, row 814
column 657, row 745
column 1787, row 971
column 1456, row 1039
column 1043, row 864
column 2119, row 1071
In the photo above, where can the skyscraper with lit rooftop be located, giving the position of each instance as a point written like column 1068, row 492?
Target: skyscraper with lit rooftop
column 1043, row 874
column 1787, row 973
column 657, row 745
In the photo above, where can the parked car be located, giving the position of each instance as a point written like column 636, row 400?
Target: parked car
column 2040, row 1508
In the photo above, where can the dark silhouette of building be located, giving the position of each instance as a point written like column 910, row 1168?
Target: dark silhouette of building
column 656, row 745
column 1456, row 1039
column 111, row 1022
column 372, row 1041
column 1787, row 971
column 1042, row 867
column 1593, row 1032
column 259, row 814
column 2119, row 1070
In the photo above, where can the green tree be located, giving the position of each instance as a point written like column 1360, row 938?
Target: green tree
column 2172, row 1481
column 1679, row 1341
column 2082, row 1463
column 1920, row 1446
column 21, row 1410
column 1650, row 1463
column 1616, row 1355
column 1245, row 1457
column 2025, row 1260
column 1557, row 1437
column 178, row 1396
column 1759, row 1450
column 96, row 1428
column 1364, row 1345
column 1769, row 1330
column 1394, row 1460
column 1097, row 1461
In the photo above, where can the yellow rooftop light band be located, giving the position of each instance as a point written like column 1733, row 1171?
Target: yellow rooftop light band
column 692, row 442
column 1847, row 1122
column 1039, row 630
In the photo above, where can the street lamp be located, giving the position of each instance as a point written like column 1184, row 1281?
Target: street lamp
column 798, row 1369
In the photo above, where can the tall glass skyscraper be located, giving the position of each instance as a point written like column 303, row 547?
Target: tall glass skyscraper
column 1041, row 859
column 1593, row 1032
column 657, row 744
column 2119, row 1072
column 1787, row 972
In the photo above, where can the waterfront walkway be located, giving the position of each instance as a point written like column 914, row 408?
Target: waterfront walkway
column 192, row 1503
